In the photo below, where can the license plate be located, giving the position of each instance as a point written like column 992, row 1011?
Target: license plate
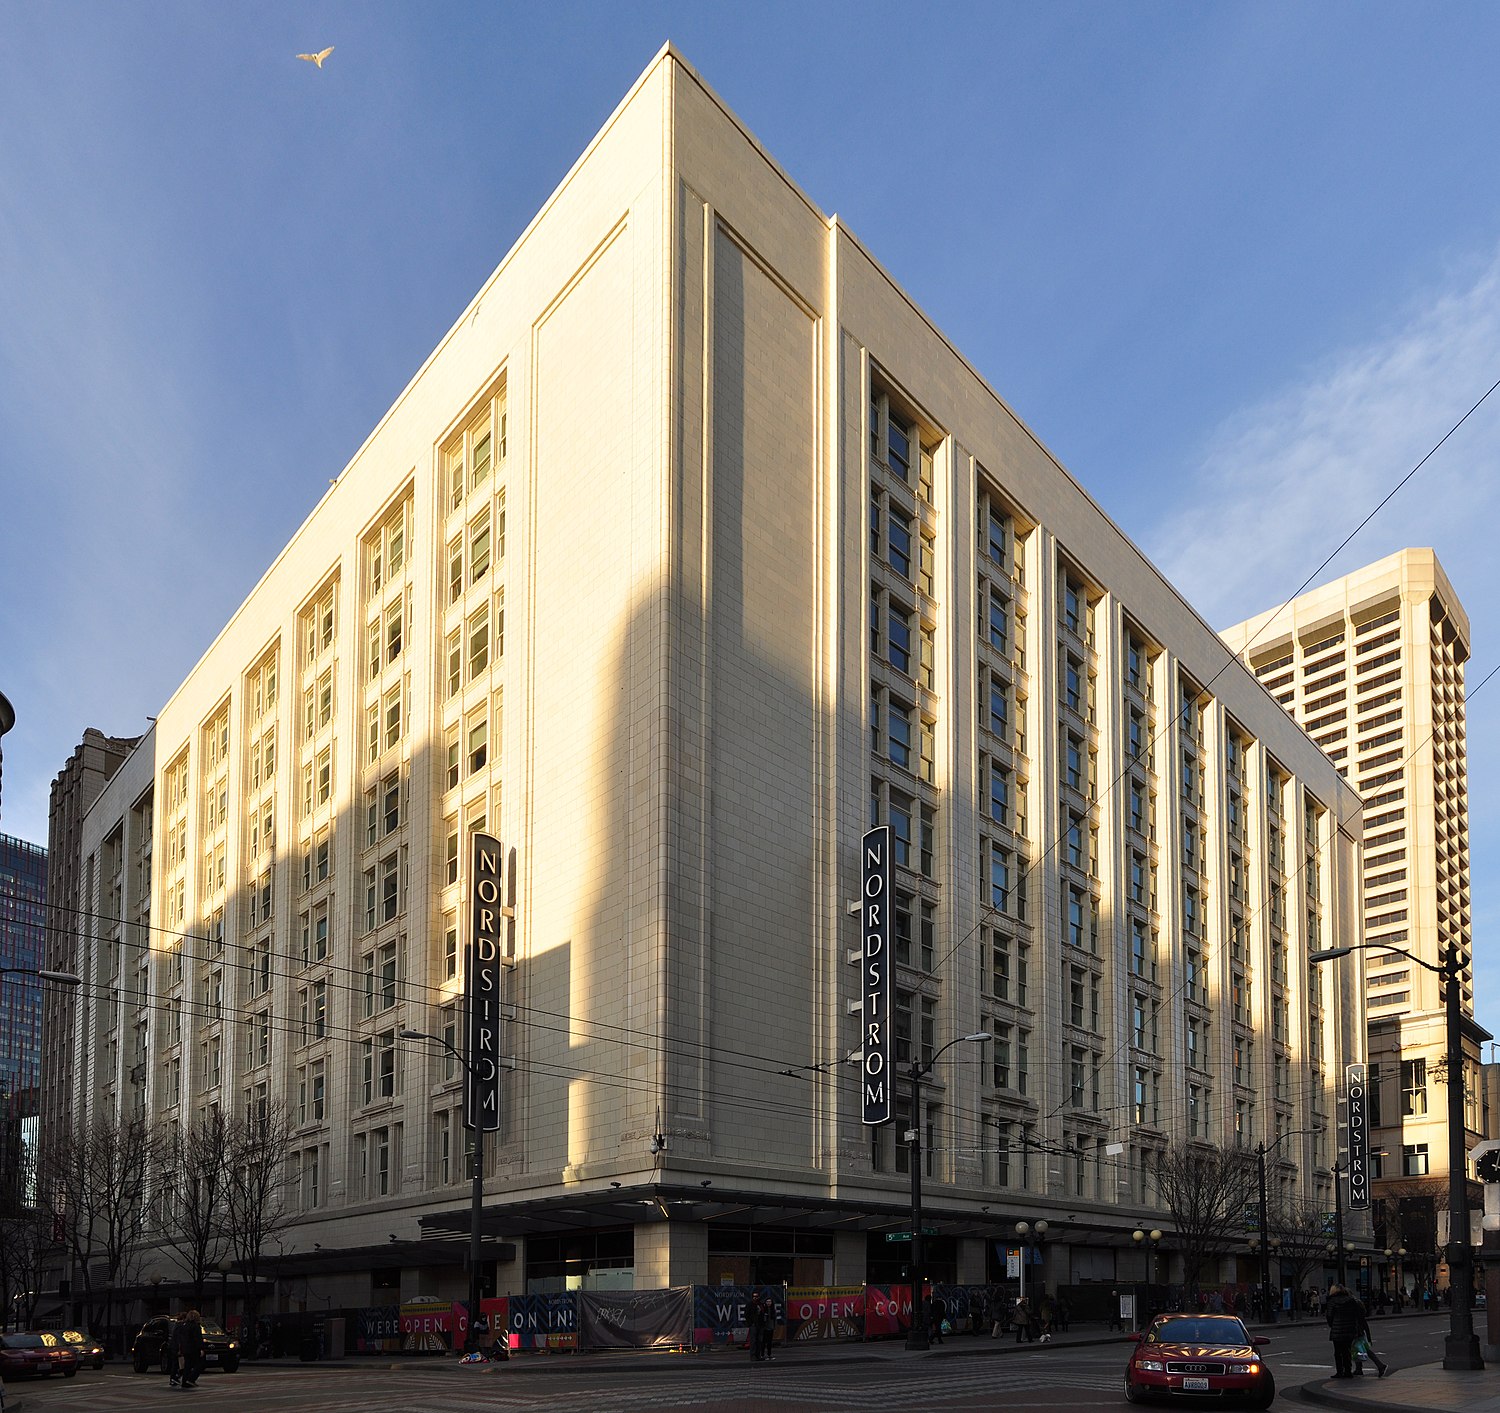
column 1195, row 1385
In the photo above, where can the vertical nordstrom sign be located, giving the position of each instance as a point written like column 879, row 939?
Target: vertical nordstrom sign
column 1359, row 1138
column 482, row 977
column 875, row 970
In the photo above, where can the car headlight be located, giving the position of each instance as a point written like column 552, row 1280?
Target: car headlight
column 1243, row 1369
column 1152, row 1366
column 234, row 1344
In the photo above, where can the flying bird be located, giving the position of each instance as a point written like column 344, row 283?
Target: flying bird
column 317, row 58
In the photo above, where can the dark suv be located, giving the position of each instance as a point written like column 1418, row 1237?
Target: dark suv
column 150, row 1348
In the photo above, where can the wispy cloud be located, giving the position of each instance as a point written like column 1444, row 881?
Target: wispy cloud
column 1281, row 483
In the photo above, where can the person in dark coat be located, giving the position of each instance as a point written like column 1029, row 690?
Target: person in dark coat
column 172, row 1358
column 1346, row 1322
column 192, row 1348
column 756, row 1321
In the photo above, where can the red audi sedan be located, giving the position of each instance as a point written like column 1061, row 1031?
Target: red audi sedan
column 30, row 1356
column 1199, row 1356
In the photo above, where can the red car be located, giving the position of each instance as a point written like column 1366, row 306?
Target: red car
column 1199, row 1356
column 24, row 1356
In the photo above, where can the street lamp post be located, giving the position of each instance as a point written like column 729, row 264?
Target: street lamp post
column 916, row 1336
column 1461, row 1350
column 476, row 1196
column 1140, row 1238
column 1338, row 1222
column 1031, row 1240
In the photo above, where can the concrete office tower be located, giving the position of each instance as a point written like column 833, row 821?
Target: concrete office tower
column 693, row 548
column 1372, row 666
column 69, row 928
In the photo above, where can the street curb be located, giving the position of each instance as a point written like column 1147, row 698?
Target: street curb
column 1315, row 1392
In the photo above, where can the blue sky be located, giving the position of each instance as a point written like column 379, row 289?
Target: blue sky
column 1238, row 265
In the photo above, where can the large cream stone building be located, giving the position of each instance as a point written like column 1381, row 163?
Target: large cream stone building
column 691, row 550
column 1373, row 666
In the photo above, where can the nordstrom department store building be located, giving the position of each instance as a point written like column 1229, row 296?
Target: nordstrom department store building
column 693, row 549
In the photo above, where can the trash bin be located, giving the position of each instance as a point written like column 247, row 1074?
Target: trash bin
column 310, row 1349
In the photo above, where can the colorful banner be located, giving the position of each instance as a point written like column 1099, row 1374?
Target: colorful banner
column 825, row 1312
column 635, row 1319
column 887, row 1310
column 719, row 1311
column 543, row 1321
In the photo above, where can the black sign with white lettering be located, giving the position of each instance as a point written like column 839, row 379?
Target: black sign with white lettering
column 875, row 971
column 482, row 981
column 1359, row 1138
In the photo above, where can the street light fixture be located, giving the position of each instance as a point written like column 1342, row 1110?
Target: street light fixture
column 1154, row 1236
column 62, row 978
column 1031, row 1240
column 916, row 1336
column 476, row 1198
column 1461, row 1350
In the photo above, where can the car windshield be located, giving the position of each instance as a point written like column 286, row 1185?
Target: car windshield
column 1202, row 1330
column 210, row 1327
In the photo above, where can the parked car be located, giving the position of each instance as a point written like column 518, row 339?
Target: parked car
column 87, row 1348
column 149, row 1349
column 1204, row 1356
column 30, row 1356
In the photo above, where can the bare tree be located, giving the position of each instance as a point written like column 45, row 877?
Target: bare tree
column 24, row 1243
column 256, row 1211
column 1206, row 1188
column 1303, row 1232
column 195, row 1203
column 95, row 1179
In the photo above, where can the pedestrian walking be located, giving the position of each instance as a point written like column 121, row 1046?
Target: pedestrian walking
column 1115, row 1320
column 192, row 1348
column 937, row 1317
column 173, row 1356
column 1346, row 1321
column 1022, row 1321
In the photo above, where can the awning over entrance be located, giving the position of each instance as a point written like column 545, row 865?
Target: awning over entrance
column 635, row 1206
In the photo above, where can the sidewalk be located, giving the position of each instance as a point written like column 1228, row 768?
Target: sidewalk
column 1423, row 1388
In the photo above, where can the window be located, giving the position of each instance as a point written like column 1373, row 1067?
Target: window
column 1414, row 1089
column 999, row 792
column 898, row 634
column 378, row 1067
column 1414, row 1160
column 389, row 888
column 479, row 548
column 454, row 757
column 479, row 642
column 898, row 552
column 380, row 971
column 455, row 570
column 450, row 947
column 324, row 777
column 1073, row 762
column 1135, row 744
column 450, row 863
column 479, row 743
column 899, row 733
column 455, row 656
column 1073, row 684
column 392, row 717
column 1142, row 950
column 997, row 626
column 1008, row 958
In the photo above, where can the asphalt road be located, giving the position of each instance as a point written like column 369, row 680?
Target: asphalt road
column 966, row 1375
